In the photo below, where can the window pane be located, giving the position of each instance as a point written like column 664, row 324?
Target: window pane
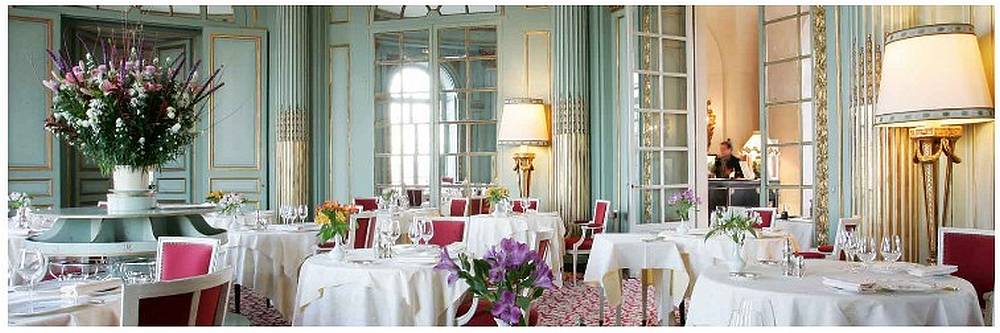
column 805, row 34
column 452, row 138
column 790, row 165
column 383, row 76
column 673, row 20
column 807, row 204
column 482, row 105
column 649, row 205
column 674, row 59
column 675, row 168
column 484, row 138
column 773, row 12
column 415, row 45
column 790, row 200
column 452, row 106
column 675, row 130
column 807, row 88
column 482, row 169
column 450, row 168
column 807, row 122
column 483, row 74
column 649, row 122
column 648, row 20
column 782, row 40
column 783, row 81
column 807, row 165
column 674, row 93
column 482, row 41
column 387, row 46
column 451, row 42
column 783, row 123
column 452, row 74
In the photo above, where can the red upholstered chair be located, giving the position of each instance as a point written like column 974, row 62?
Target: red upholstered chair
column 484, row 206
column 811, row 255
column 182, row 257
column 364, row 231
column 577, row 245
column 476, row 312
column 367, row 204
column 476, row 206
column 192, row 301
column 516, row 205
column 415, row 197
column 447, row 230
column 972, row 250
column 767, row 215
column 458, row 207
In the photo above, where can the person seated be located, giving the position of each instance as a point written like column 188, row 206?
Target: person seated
column 726, row 164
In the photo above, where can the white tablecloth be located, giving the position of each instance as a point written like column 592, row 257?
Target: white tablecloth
column 806, row 302
column 800, row 228
column 385, row 293
column 611, row 251
column 108, row 313
column 268, row 262
column 15, row 242
column 717, row 249
column 485, row 231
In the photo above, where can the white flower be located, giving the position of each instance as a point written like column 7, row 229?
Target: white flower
column 142, row 140
column 170, row 112
column 119, row 123
column 175, row 128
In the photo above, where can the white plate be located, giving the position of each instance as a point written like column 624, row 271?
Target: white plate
column 906, row 286
column 43, row 305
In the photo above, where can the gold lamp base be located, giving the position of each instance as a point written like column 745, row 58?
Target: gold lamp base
column 932, row 141
column 523, row 167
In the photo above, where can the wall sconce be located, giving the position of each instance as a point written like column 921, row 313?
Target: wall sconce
column 523, row 123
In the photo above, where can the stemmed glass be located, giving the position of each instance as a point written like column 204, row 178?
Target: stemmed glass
column 415, row 231
column 283, row 211
column 31, row 266
column 303, row 213
column 394, row 231
column 427, row 232
column 892, row 249
column 867, row 251
column 525, row 203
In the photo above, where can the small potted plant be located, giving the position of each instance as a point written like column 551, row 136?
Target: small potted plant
column 682, row 203
column 734, row 225
column 18, row 204
column 334, row 220
column 499, row 199
column 510, row 276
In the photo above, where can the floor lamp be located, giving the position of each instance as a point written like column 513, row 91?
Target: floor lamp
column 933, row 82
column 523, row 123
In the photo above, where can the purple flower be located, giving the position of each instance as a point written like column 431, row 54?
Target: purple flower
column 446, row 264
column 542, row 275
column 76, row 76
column 505, row 308
column 51, row 84
column 150, row 70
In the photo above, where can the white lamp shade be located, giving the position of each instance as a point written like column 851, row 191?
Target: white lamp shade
column 523, row 122
column 933, row 75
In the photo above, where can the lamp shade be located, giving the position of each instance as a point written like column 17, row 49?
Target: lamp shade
column 933, row 75
column 523, row 123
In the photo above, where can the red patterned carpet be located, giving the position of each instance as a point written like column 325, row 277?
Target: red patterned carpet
column 566, row 306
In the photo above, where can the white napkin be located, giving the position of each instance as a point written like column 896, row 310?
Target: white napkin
column 293, row 227
column 455, row 248
column 413, row 259
column 89, row 287
column 925, row 271
column 848, row 284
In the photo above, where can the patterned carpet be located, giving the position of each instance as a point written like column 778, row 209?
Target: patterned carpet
column 566, row 306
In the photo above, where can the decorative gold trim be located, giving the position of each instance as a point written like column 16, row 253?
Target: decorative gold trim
column 48, row 100
column 330, row 112
column 256, row 180
column 211, row 105
column 50, row 182
column 333, row 20
column 527, row 58
column 822, row 176
column 182, row 180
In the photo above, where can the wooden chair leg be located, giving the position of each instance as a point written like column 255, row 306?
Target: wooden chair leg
column 236, row 294
column 600, row 314
column 574, row 270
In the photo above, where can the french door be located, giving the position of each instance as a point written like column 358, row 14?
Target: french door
column 659, row 119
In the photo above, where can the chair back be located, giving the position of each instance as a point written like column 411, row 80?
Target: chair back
column 447, row 230
column 458, row 207
column 183, row 257
column 363, row 232
column 602, row 212
column 415, row 197
column 972, row 250
column 193, row 301
column 367, row 204
column 484, row 206
column 767, row 215
column 845, row 224
column 516, row 205
column 475, row 206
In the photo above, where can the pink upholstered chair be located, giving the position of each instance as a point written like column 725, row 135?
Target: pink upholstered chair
column 367, row 204
column 476, row 206
column 577, row 245
column 193, row 301
column 767, row 215
column 972, row 250
column 476, row 312
column 415, row 197
column 447, row 230
column 458, row 207
column 516, row 205
column 182, row 257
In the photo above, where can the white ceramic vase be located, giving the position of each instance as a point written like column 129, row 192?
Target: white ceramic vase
column 736, row 261
column 130, row 178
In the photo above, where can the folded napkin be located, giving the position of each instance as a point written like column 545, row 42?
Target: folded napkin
column 90, row 287
column 925, row 271
column 293, row 227
column 455, row 248
column 848, row 284
column 414, row 259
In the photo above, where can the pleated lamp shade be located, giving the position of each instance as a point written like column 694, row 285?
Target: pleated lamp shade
column 523, row 123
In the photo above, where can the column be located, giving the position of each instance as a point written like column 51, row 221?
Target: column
column 570, row 113
column 291, row 93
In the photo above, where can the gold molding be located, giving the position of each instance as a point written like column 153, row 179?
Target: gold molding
column 527, row 57
column 211, row 104
column 331, row 20
column 330, row 116
column 48, row 100
column 256, row 180
column 182, row 180
column 50, row 182
column 821, row 140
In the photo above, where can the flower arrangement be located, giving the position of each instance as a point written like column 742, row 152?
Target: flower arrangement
column 214, row 197
column 510, row 276
column 334, row 219
column 735, row 225
column 683, row 201
column 18, row 200
column 123, row 110
column 231, row 203
column 495, row 194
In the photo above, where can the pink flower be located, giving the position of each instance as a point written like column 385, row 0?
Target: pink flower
column 76, row 76
column 51, row 84
column 152, row 86
column 150, row 70
column 108, row 86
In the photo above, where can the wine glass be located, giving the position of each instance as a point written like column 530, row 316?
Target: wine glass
column 31, row 266
column 752, row 313
column 303, row 213
column 394, row 231
column 428, row 231
column 867, row 251
column 891, row 249
column 414, row 231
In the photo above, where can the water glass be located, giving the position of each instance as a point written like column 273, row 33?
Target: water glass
column 31, row 266
column 752, row 313
column 427, row 232
column 866, row 251
column 303, row 213
column 892, row 249
column 415, row 231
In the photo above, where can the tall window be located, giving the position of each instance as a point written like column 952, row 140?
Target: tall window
column 452, row 113
column 788, row 105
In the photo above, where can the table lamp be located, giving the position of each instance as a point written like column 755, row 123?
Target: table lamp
column 933, row 82
column 523, row 123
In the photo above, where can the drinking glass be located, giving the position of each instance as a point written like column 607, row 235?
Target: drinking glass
column 752, row 313
column 867, row 251
column 428, row 231
column 303, row 213
column 31, row 266
column 524, row 204
column 283, row 212
column 394, row 231
column 891, row 249
column 414, row 231
column 850, row 245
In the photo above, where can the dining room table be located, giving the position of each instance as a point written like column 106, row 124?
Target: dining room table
column 485, row 231
column 405, row 216
column 49, row 306
column 268, row 259
column 360, row 289
column 834, row 293
column 767, row 245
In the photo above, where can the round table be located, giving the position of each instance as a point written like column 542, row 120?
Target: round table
column 405, row 218
column 86, row 311
column 379, row 292
column 268, row 261
column 485, row 231
column 807, row 302
column 704, row 253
